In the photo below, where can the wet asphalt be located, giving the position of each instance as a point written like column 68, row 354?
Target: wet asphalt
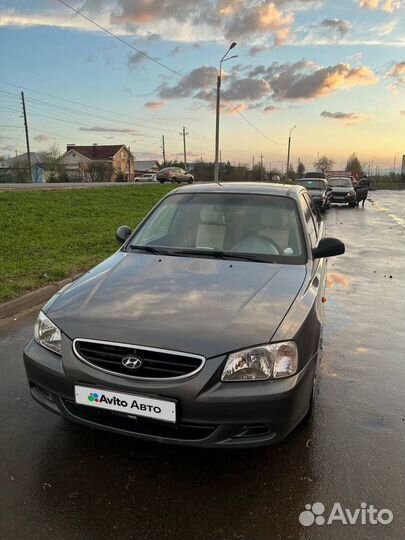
column 63, row 481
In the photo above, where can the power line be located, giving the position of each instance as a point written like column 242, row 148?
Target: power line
column 197, row 83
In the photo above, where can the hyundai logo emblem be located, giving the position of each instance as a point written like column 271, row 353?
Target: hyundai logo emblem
column 131, row 362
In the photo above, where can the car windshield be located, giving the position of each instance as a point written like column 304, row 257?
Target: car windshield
column 311, row 184
column 229, row 225
column 340, row 182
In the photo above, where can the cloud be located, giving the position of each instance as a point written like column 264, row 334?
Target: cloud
column 386, row 5
column 347, row 118
column 100, row 129
column 154, row 104
column 295, row 83
column 271, row 108
column 236, row 108
column 397, row 75
column 202, row 76
column 175, row 51
column 41, row 138
column 247, row 89
column 135, row 59
column 338, row 25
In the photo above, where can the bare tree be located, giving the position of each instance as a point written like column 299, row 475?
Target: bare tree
column 324, row 164
column 100, row 171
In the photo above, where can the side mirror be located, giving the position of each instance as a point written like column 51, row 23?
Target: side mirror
column 328, row 247
column 123, row 233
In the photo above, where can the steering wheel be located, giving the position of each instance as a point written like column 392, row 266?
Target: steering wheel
column 258, row 244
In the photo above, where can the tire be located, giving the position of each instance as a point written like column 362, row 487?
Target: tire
column 174, row 180
column 191, row 180
column 322, row 209
column 352, row 205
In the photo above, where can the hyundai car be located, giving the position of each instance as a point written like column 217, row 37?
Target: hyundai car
column 203, row 328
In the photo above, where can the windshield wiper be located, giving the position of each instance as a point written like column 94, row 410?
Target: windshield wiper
column 149, row 249
column 219, row 254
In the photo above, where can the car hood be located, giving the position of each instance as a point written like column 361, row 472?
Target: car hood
column 198, row 305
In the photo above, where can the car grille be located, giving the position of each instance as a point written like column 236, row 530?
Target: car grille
column 154, row 363
column 138, row 425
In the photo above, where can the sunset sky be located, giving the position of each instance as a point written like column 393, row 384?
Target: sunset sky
column 336, row 70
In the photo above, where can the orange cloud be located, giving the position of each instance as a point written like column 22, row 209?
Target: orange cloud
column 236, row 109
column 154, row 104
column 385, row 5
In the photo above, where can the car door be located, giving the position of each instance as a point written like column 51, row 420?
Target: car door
column 315, row 229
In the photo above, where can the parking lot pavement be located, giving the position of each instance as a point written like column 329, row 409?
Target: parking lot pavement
column 62, row 481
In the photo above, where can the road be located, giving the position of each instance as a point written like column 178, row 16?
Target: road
column 62, row 481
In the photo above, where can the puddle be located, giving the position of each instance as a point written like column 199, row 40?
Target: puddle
column 334, row 279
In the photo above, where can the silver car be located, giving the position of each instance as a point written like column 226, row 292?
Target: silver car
column 203, row 329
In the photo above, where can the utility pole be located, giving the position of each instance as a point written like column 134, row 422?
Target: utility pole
column 261, row 167
column 27, row 137
column 184, row 133
column 129, row 163
column 164, row 150
column 288, row 153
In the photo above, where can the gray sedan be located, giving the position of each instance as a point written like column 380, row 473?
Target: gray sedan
column 203, row 329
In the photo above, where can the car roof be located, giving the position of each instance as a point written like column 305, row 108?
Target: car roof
column 254, row 188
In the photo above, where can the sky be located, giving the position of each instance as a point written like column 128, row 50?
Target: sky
column 335, row 70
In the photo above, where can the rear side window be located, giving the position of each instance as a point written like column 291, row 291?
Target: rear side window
column 310, row 219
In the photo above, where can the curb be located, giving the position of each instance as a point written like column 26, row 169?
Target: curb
column 32, row 299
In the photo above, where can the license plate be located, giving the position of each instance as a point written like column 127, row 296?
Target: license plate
column 136, row 405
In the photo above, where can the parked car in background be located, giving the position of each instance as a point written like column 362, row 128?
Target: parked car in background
column 174, row 174
column 146, row 177
column 204, row 329
column 319, row 190
column 342, row 190
column 315, row 174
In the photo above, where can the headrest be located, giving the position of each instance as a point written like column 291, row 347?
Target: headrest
column 211, row 216
column 274, row 218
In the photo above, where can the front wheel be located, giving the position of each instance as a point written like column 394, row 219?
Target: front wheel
column 352, row 204
column 190, row 180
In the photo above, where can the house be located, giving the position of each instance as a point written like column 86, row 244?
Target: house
column 98, row 163
column 15, row 169
column 146, row 166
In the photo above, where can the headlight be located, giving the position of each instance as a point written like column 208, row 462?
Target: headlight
column 260, row 363
column 47, row 334
column 350, row 194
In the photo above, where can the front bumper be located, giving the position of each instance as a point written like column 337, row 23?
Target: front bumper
column 342, row 198
column 210, row 413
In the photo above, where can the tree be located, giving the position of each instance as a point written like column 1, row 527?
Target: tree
column 300, row 170
column 100, row 171
column 353, row 165
column 324, row 164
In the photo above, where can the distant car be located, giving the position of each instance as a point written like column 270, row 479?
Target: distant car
column 174, row 174
column 319, row 191
column 343, row 191
column 203, row 329
column 146, row 177
column 316, row 174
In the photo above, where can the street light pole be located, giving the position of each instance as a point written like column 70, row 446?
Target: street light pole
column 219, row 77
column 395, row 161
column 288, row 153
